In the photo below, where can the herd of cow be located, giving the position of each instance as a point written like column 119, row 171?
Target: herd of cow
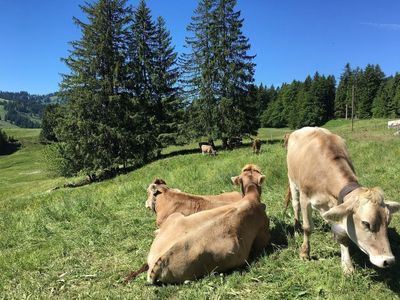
column 198, row 235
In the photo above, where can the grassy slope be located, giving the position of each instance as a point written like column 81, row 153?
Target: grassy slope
column 4, row 124
column 75, row 243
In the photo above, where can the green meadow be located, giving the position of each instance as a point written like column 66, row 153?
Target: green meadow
column 74, row 243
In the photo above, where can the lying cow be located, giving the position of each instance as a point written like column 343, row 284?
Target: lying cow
column 256, row 146
column 208, row 149
column 165, row 201
column 322, row 177
column 219, row 239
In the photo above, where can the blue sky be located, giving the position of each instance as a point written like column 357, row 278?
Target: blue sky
column 291, row 38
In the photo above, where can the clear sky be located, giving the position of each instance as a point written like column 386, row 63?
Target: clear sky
column 291, row 38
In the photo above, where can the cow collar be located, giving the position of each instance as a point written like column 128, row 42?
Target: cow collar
column 347, row 189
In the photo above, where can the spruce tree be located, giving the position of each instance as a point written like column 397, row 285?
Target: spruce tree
column 199, row 71
column 93, row 134
column 367, row 88
column 168, row 103
column 343, row 93
column 219, row 71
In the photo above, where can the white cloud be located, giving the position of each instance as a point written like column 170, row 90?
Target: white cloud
column 384, row 26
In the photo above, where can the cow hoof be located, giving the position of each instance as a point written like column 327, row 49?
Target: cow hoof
column 304, row 256
column 347, row 269
column 305, row 252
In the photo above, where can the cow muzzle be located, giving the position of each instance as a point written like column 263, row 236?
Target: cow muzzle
column 382, row 261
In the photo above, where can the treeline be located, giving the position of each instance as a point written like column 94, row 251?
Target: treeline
column 316, row 100
column 24, row 109
column 23, row 113
column 26, row 97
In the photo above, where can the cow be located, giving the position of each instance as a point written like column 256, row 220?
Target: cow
column 285, row 140
column 209, row 143
column 215, row 240
column 208, row 149
column 256, row 146
column 165, row 201
column 322, row 177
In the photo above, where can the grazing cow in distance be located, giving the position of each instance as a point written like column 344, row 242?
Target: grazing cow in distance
column 209, row 143
column 285, row 140
column 256, row 146
column 322, row 177
column 207, row 149
column 165, row 201
column 215, row 240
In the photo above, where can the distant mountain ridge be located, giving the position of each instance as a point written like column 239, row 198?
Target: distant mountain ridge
column 23, row 109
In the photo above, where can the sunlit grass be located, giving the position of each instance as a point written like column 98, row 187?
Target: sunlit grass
column 80, row 243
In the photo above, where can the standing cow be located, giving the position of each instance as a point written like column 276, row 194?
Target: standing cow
column 322, row 177
column 256, row 146
column 208, row 149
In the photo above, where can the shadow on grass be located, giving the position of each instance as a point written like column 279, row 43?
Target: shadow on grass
column 10, row 148
column 110, row 174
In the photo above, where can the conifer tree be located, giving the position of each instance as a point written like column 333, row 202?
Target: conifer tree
column 219, row 71
column 367, row 88
column 95, row 134
column 169, row 104
column 343, row 93
column 199, row 71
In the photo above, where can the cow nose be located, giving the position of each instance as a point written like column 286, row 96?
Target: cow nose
column 388, row 262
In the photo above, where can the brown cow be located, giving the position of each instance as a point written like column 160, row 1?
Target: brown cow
column 165, row 201
column 322, row 177
column 286, row 140
column 256, row 146
column 220, row 239
column 208, row 149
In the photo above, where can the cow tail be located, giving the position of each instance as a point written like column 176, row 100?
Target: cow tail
column 288, row 197
column 132, row 275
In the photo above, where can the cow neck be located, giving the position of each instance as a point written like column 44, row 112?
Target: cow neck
column 347, row 189
column 251, row 189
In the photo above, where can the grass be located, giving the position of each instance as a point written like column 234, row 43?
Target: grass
column 80, row 243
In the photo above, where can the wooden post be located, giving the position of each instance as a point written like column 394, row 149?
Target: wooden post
column 346, row 110
column 352, row 109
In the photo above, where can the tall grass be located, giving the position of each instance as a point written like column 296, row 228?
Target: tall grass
column 80, row 243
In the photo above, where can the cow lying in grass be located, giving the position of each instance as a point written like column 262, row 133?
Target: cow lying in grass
column 322, row 177
column 165, row 201
column 220, row 239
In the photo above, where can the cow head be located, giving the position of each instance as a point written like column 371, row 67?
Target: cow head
column 250, row 176
column 365, row 218
column 154, row 188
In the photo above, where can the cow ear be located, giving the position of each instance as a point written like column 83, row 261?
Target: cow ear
column 393, row 206
column 337, row 213
column 261, row 179
column 159, row 181
column 235, row 180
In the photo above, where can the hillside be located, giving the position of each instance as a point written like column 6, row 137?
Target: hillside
column 23, row 109
column 78, row 243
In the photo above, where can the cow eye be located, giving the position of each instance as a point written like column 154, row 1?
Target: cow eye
column 366, row 225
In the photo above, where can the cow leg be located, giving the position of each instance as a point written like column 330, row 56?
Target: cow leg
column 347, row 265
column 308, row 226
column 296, row 205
